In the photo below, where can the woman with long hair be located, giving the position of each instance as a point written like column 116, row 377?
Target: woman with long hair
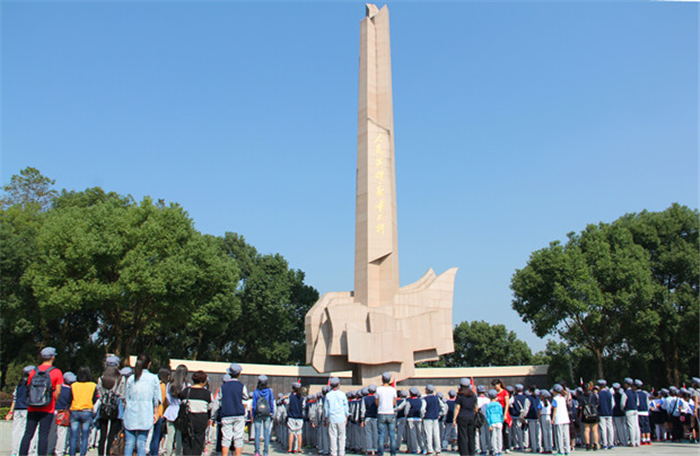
column 173, row 394
column 504, row 399
column 199, row 403
column 110, row 387
column 157, row 437
column 140, row 412
column 465, row 409
column 84, row 394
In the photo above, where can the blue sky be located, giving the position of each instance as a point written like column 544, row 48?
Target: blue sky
column 515, row 122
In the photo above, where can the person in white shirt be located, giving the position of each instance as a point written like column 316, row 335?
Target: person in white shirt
column 385, row 398
column 561, row 420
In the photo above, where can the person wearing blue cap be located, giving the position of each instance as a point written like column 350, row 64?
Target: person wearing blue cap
column 41, row 402
column 532, row 416
column 619, row 419
column 63, row 413
column 449, row 439
column 546, row 421
column 430, row 420
column 495, row 417
column 560, row 415
column 368, row 419
column 263, row 409
column 518, row 412
column 643, row 412
column 464, row 414
column 414, row 420
column 483, row 443
column 401, row 427
column 295, row 418
column 354, row 440
column 630, row 405
column 18, row 409
column 605, row 412
column 336, row 412
column 229, row 404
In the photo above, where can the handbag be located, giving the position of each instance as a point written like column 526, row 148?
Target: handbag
column 118, row 444
column 479, row 419
column 63, row 418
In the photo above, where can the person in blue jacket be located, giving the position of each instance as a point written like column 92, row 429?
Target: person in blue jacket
column 263, row 409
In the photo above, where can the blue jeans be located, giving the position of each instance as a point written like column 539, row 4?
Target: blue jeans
column 80, row 421
column 135, row 437
column 266, row 423
column 384, row 423
column 157, row 434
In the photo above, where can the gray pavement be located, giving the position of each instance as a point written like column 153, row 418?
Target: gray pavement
column 670, row 449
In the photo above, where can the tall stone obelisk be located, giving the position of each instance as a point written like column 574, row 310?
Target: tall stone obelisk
column 376, row 234
column 379, row 327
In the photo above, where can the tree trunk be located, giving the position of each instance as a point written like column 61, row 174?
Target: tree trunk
column 599, row 361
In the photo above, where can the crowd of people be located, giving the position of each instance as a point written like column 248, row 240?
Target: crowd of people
column 174, row 413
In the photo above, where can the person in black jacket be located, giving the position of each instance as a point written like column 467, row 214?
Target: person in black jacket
column 588, row 402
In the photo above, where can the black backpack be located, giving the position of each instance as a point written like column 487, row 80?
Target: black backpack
column 40, row 391
column 262, row 408
column 109, row 405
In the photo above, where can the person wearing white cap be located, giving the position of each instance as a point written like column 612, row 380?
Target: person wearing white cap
column 386, row 420
column 41, row 402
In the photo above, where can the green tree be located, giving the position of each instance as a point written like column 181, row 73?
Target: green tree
column 274, row 301
column 30, row 187
column 481, row 344
column 22, row 207
column 671, row 239
column 111, row 270
column 583, row 290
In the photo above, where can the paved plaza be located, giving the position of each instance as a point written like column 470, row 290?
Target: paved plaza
column 670, row 449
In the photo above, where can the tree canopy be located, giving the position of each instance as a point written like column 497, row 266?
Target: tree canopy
column 625, row 290
column 480, row 344
column 93, row 272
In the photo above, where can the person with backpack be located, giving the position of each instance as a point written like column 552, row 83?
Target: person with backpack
column 18, row 410
column 44, row 386
column 588, row 403
column 174, row 389
column 141, row 402
column 111, row 388
column 263, row 409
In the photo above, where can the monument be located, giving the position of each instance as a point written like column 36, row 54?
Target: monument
column 379, row 327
